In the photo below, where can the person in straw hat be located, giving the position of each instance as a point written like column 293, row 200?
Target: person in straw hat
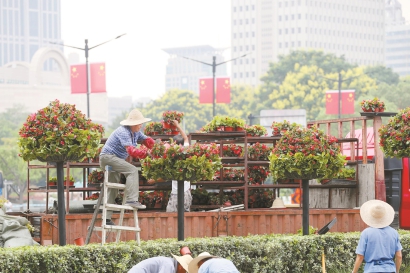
column 114, row 153
column 207, row 263
column 379, row 243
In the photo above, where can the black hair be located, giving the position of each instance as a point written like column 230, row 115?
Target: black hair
column 178, row 139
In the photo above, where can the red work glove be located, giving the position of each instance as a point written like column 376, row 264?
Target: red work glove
column 149, row 143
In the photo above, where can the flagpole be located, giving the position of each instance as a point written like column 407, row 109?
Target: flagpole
column 86, row 49
column 214, row 65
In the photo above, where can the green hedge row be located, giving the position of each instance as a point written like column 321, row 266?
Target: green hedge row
column 251, row 254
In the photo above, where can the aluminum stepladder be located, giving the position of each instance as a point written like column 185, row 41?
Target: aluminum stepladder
column 103, row 205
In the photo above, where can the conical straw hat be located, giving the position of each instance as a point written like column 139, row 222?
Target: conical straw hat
column 278, row 204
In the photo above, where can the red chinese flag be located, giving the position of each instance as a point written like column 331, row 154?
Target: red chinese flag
column 78, row 79
column 347, row 102
column 97, row 78
column 332, row 102
column 223, row 90
column 206, row 90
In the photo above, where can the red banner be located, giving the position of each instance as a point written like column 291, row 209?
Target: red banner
column 78, row 79
column 206, row 90
column 347, row 102
column 332, row 102
column 223, row 90
column 97, row 78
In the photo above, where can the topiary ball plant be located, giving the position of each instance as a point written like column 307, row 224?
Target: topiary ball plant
column 58, row 133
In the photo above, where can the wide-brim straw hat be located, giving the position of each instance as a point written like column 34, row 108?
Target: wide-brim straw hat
column 193, row 265
column 278, row 204
column 135, row 117
column 183, row 260
column 377, row 214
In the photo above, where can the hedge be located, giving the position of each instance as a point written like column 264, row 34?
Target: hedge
column 250, row 254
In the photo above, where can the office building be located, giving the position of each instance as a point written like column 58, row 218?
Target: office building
column 397, row 39
column 269, row 28
column 27, row 26
column 184, row 74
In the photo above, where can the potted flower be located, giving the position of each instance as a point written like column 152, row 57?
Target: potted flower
column 279, row 128
column 199, row 196
column 59, row 133
column 306, row 153
column 96, row 177
column 395, row 135
column 232, row 150
column 373, row 105
column 153, row 128
column 69, row 180
column 93, row 196
column 169, row 116
column 257, row 174
column 224, row 123
column 233, row 174
column 238, row 124
column 255, row 130
column 52, row 181
column 258, row 152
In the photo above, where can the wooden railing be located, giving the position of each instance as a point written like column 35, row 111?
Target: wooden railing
column 345, row 132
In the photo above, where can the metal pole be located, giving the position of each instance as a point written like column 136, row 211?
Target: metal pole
column 61, row 203
column 340, row 93
column 181, row 210
column 88, row 87
column 305, row 206
column 213, row 82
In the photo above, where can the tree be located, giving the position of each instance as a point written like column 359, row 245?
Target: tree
column 11, row 120
column 328, row 63
column 382, row 74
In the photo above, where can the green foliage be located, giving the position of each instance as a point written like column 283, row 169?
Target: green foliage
column 328, row 63
column 306, row 154
column 394, row 137
column 59, row 132
column 382, row 74
column 250, row 254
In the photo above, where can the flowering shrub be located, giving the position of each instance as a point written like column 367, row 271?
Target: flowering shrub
column 258, row 152
column 279, row 128
column 395, row 135
column 232, row 150
column 257, row 174
column 169, row 116
column 93, row 196
column 96, row 177
column 373, row 105
column 176, row 162
column 256, row 130
column 57, row 133
column 306, row 153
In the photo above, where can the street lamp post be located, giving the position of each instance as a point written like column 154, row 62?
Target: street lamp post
column 86, row 49
column 214, row 65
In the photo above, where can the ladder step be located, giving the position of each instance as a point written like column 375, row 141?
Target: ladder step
column 109, row 227
column 118, row 207
column 115, row 185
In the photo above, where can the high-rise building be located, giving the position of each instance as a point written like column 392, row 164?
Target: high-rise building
column 269, row 28
column 397, row 39
column 27, row 26
column 182, row 73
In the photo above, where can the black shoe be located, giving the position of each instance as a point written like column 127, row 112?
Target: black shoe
column 109, row 222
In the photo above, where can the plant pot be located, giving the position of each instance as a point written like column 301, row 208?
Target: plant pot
column 52, row 183
column 79, row 241
column 220, row 128
column 166, row 125
column 283, row 181
column 174, row 133
column 239, row 129
column 228, row 128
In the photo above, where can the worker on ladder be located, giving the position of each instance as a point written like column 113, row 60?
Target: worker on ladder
column 114, row 154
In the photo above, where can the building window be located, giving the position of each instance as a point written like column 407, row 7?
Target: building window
column 286, row 17
column 299, row 43
column 280, row 18
column 280, row 32
column 286, row 44
column 234, row 75
column 247, row 74
column 280, row 4
column 280, row 45
column 253, row 73
column 234, row 35
column 286, row 31
column 293, row 30
column 299, row 30
column 234, row 9
column 240, row 8
column 292, row 17
column 299, row 16
column 253, row 33
column 293, row 44
column 253, row 20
